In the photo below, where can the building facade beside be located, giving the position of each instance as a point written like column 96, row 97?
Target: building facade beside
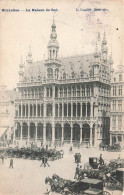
column 7, row 113
column 117, row 107
column 64, row 100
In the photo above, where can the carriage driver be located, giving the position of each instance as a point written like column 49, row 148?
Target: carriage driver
column 101, row 161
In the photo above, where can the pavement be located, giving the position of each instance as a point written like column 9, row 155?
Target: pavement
column 28, row 178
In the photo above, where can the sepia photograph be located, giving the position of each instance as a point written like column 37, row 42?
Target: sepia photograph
column 61, row 97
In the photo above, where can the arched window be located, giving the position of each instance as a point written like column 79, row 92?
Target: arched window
column 72, row 75
column 74, row 91
column 50, row 73
column 64, row 76
column 56, row 73
column 65, row 92
column 78, row 91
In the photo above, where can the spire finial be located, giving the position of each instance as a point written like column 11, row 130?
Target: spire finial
column 104, row 36
column 30, row 48
column 21, row 60
column 53, row 19
column 96, row 49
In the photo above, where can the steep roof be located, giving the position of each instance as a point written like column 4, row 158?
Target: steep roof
column 69, row 64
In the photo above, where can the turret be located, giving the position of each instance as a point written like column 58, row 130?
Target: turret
column 53, row 63
column 111, row 64
column 29, row 57
column 53, row 46
column 104, row 49
column 96, row 62
column 21, row 71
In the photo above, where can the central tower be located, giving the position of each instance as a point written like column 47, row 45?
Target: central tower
column 52, row 63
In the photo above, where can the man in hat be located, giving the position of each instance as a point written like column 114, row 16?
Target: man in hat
column 76, row 172
column 11, row 163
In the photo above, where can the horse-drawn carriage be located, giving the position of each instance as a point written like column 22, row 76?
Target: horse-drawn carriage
column 112, row 148
column 115, row 180
column 34, row 153
column 85, row 186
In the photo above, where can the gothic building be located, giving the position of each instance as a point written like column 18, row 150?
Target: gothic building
column 64, row 100
column 7, row 110
column 117, row 107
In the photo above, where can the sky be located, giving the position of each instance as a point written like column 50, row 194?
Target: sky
column 77, row 26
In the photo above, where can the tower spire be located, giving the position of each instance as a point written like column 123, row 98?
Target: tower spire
column 29, row 57
column 52, row 63
column 104, row 48
column 53, row 45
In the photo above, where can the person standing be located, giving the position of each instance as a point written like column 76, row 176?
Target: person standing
column 46, row 161
column 101, row 161
column 2, row 159
column 43, row 161
column 11, row 163
column 77, row 172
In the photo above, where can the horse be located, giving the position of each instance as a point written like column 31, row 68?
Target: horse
column 57, row 178
column 56, row 186
column 102, row 146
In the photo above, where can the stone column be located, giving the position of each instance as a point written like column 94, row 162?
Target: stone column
column 116, row 123
column 80, row 135
column 44, row 134
column 53, row 134
column 95, row 134
column 53, row 113
column 71, row 134
column 91, row 110
column 21, row 133
column 110, row 139
column 40, row 109
column 28, row 110
column 36, row 109
column 25, row 110
column 21, row 109
column 62, row 110
column 28, row 133
column 62, row 134
column 33, row 110
column 81, row 109
column 58, row 109
column 14, row 134
column 44, row 110
column 90, row 136
column 36, row 134
column 18, row 110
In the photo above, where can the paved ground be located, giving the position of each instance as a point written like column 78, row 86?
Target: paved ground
column 27, row 177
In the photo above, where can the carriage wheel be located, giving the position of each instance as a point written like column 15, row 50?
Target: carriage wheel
column 110, row 185
column 106, row 193
column 119, row 186
column 87, row 166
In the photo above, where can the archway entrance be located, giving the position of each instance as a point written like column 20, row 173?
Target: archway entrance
column 32, row 130
column 86, row 133
column 76, row 132
column 25, row 130
column 113, row 140
column 40, row 131
column 67, row 132
column 58, row 132
column 18, row 131
column 48, row 132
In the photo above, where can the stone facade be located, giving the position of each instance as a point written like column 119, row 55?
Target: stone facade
column 7, row 112
column 117, row 107
column 64, row 100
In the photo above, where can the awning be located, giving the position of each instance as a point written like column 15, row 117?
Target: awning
column 2, row 131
